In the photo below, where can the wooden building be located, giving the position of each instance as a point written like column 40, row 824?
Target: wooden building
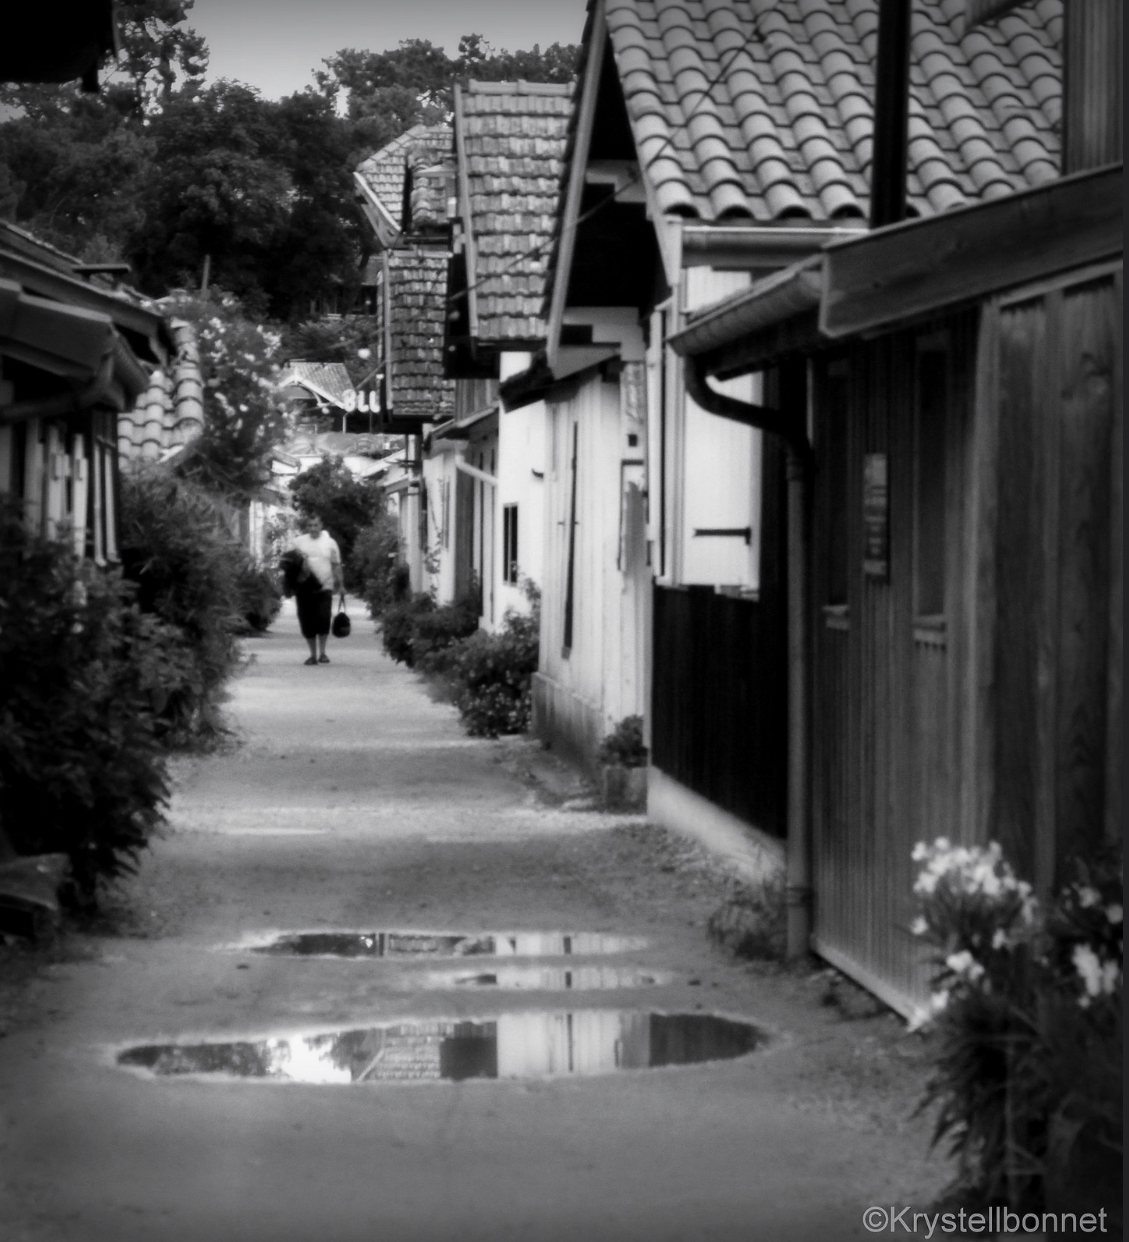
column 960, row 379
column 716, row 142
column 81, row 390
column 404, row 190
column 488, row 460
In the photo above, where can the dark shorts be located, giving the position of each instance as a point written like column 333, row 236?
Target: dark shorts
column 314, row 608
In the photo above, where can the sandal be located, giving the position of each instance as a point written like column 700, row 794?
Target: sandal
column 323, row 659
column 311, row 660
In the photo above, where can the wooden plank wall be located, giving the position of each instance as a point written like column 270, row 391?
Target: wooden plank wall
column 1057, row 642
column 719, row 677
column 886, row 712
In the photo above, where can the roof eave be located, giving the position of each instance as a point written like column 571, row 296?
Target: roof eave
column 781, row 296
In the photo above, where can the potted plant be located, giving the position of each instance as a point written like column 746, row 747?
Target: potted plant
column 623, row 767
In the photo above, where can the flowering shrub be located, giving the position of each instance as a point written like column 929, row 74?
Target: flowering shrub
column 243, row 420
column 623, row 746
column 1027, row 1010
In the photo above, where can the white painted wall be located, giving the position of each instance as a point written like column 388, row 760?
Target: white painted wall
column 600, row 677
column 521, row 482
column 706, row 470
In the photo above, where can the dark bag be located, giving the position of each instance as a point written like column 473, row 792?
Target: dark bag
column 342, row 627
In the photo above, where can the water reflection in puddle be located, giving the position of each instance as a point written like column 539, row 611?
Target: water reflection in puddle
column 516, row 1045
column 440, row 944
column 548, row 978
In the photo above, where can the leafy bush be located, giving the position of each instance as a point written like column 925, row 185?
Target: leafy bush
column 491, row 676
column 624, row 745
column 1027, row 1006
column 190, row 574
column 83, row 679
column 259, row 598
column 417, row 631
column 376, row 566
column 346, row 506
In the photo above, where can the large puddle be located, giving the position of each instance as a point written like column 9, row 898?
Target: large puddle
column 442, row 944
column 514, row 1045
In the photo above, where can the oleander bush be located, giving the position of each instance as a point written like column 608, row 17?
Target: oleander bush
column 84, row 675
column 490, row 676
column 259, row 597
column 416, row 631
column 376, row 566
column 1027, row 1019
column 192, row 575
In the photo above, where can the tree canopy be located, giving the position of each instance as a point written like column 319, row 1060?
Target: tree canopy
column 175, row 176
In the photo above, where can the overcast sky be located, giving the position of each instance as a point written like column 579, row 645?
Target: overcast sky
column 277, row 44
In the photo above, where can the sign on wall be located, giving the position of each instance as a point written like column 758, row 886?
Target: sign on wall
column 875, row 516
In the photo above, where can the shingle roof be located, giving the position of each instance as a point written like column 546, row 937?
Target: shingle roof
column 418, row 300
column 171, row 411
column 384, row 171
column 764, row 108
column 512, row 137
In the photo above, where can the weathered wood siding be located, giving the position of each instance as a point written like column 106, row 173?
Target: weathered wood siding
column 1093, row 72
column 974, row 688
column 887, row 640
column 719, row 702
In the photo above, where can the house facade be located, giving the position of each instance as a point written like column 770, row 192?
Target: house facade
column 957, row 599
column 404, row 190
column 90, row 377
column 509, row 147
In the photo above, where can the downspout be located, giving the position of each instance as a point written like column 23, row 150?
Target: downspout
column 789, row 421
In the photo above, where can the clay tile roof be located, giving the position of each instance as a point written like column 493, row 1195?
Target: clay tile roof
column 430, row 158
column 384, row 171
column 417, row 297
column 170, row 412
column 763, row 109
column 512, row 139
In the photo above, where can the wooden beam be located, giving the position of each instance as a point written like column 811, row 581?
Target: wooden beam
column 921, row 266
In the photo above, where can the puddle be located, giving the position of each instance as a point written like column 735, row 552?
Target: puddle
column 547, row 978
column 441, row 944
column 516, row 1045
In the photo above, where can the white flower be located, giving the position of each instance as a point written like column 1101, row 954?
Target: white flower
column 925, row 883
column 1088, row 897
column 364, row 354
column 1114, row 913
column 1111, row 977
column 1089, row 968
column 960, row 962
column 919, row 927
column 999, row 938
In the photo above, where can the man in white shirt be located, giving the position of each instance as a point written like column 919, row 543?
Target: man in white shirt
column 315, row 596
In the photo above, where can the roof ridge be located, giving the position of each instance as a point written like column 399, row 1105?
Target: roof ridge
column 477, row 86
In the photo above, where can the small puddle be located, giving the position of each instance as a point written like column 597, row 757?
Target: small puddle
column 516, row 1045
column 548, row 978
column 440, row 944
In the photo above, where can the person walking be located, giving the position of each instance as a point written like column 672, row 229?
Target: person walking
column 314, row 596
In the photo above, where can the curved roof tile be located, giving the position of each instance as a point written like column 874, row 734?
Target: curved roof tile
column 764, row 107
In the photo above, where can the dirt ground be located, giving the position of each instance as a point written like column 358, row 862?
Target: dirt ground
column 354, row 802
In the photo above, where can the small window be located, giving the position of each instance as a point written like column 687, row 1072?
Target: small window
column 929, row 491
column 509, row 544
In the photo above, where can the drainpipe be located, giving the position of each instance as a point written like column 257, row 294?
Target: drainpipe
column 789, row 421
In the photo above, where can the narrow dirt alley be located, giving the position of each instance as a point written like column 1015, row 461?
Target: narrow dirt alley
column 356, row 804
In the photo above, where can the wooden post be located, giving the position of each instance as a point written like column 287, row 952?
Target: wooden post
column 891, row 115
